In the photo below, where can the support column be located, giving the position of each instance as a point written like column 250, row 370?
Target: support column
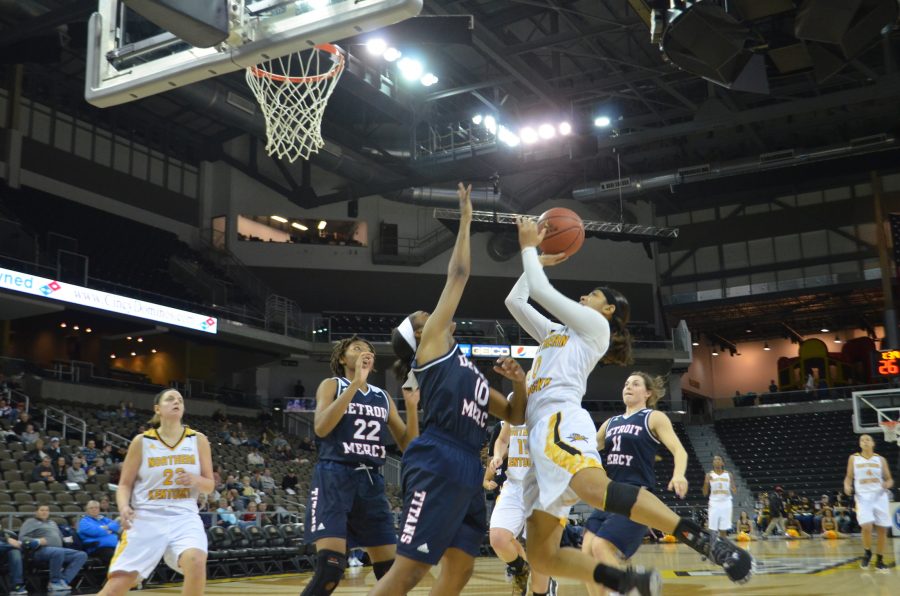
column 884, row 261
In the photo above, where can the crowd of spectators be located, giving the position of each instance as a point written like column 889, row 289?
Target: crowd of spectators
column 777, row 512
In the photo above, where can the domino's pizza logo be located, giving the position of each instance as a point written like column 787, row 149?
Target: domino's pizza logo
column 50, row 288
column 208, row 324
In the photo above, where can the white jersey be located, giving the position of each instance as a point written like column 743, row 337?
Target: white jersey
column 867, row 475
column 568, row 352
column 518, row 461
column 719, row 487
column 155, row 487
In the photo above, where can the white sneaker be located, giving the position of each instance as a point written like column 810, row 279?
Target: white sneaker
column 354, row 562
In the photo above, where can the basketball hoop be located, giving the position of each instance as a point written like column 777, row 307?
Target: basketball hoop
column 292, row 92
column 889, row 427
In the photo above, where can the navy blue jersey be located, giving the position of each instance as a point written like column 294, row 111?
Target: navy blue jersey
column 359, row 438
column 454, row 397
column 630, row 449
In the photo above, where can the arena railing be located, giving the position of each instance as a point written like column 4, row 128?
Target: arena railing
column 66, row 420
column 114, row 439
column 801, row 395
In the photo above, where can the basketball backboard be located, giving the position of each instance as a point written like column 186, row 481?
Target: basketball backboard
column 872, row 408
column 129, row 58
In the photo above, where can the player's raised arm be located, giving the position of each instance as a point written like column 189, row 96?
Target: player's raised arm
column 661, row 426
column 511, row 410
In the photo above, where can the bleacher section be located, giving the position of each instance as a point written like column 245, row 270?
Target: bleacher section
column 806, row 453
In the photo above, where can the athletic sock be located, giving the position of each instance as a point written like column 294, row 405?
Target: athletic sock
column 518, row 564
column 868, row 553
column 879, row 559
column 608, row 576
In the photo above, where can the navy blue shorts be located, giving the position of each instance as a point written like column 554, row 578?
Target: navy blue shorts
column 348, row 503
column 623, row 533
column 443, row 500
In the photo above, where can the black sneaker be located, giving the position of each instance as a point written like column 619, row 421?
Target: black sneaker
column 638, row 581
column 737, row 563
column 866, row 559
column 880, row 567
column 520, row 580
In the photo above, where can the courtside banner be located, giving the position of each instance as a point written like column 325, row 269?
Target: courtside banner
column 525, row 352
column 72, row 294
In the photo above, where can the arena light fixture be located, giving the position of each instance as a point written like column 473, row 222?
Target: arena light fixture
column 837, row 339
column 153, row 351
column 428, row 79
column 477, row 119
column 602, row 121
column 490, row 123
column 128, row 338
column 279, row 219
column 299, row 226
column 528, row 135
column 63, row 325
column 134, row 353
column 715, row 352
column 140, row 340
column 76, row 327
column 546, row 131
column 88, row 330
column 695, row 343
column 410, row 68
column 392, row 54
column 376, row 46
column 565, row 129
column 824, row 329
column 112, row 356
column 322, row 224
column 766, row 347
column 507, row 136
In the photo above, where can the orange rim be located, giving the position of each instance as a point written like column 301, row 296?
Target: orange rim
column 324, row 47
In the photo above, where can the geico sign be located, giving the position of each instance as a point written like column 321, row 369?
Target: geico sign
column 490, row 351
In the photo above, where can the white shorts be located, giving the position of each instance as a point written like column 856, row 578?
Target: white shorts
column 509, row 510
column 561, row 445
column 156, row 536
column 720, row 515
column 873, row 507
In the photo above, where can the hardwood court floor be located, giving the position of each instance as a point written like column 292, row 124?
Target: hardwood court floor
column 798, row 568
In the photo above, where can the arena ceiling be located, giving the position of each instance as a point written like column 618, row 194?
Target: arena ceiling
column 526, row 59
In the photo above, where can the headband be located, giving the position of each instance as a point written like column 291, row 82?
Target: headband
column 614, row 322
column 406, row 331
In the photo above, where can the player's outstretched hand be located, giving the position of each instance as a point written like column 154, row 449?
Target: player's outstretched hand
column 364, row 365
column 510, row 369
column 551, row 260
column 529, row 234
column 126, row 517
column 411, row 398
column 495, row 463
column 465, row 200
column 679, row 484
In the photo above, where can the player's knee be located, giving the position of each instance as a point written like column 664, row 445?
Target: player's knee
column 621, row 497
column 330, row 567
column 192, row 562
column 500, row 538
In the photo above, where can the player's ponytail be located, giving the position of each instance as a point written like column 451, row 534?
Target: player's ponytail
column 656, row 387
column 619, row 351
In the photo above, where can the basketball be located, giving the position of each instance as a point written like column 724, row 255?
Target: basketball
column 668, row 538
column 743, row 537
column 830, row 535
column 565, row 231
column 793, row 533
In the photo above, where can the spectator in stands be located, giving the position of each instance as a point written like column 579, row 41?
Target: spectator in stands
column 235, row 501
column 283, row 453
column 204, row 510
column 45, row 536
column 29, row 436
column 289, row 482
column 299, row 389
column 267, row 481
column 249, row 493
column 829, row 524
column 226, row 516
column 804, row 514
column 105, row 508
column 53, row 450
column 278, row 440
column 823, row 505
column 61, row 470
column 776, row 513
column 126, row 411
column 109, row 455
column 810, row 383
column 218, row 475
column 256, row 481
column 37, row 452
column 744, row 525
column 90, row 452
column 255, row 458
column 762, row 512
column 250, row 515
column 219, row 416
column 791, row 502
column 11, row 550
column 842, row 513
column 98, row 533
column 76, row 472
column 43, row 471
column 5, row 414
column 773, row 388
column 98, row 467
column 263, row 515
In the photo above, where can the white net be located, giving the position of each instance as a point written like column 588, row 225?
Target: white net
column 292, row 92
column 891, row 431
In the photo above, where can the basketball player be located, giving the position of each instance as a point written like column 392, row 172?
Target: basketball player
column 164, row 471
column 508, row 517
column 630, row 442
column 347, row 494
column 443, row 516
column 719, row 486
column 565, row 462
column 869, row 476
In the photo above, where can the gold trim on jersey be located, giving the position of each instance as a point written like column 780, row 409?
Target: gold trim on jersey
column 564, row 455
column 123, row 542
column 185, row 433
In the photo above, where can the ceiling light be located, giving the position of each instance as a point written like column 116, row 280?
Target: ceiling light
column 565, row 128
column 695, row 343
column 153, row 351
column 476, row 119
column 837, row 339
column 391, row 54
column 824, row 329
column 507, row 136
column 128, row 338
column 140, row 340
column 76, row 327
column 546, row 131
column 766, row 347
column 410, row 68
column 280, row 219
column 322, row 224
column 376, row 46
column 490, row 123
column 602, row 121
column 528, row 135
column 88, row 330
column 134, row 354
column 112, row 356
column 715, row 353
column 429, row 79
column 749, row 330
column 63, row 325
column 299, row 226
